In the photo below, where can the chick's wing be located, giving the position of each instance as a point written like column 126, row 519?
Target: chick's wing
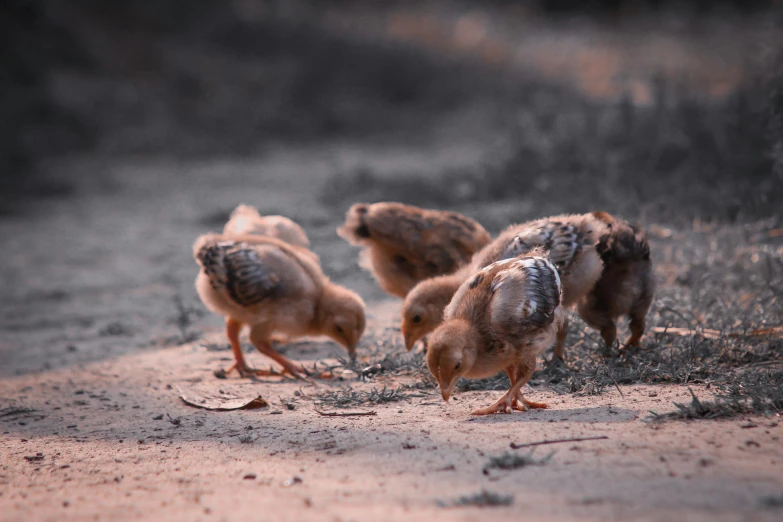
column 524, row 296
column 562, row 239
column 240, row 269
column 439, row 239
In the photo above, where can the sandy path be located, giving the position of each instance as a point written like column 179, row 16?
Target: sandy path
column 105, row 457
column 88, row 343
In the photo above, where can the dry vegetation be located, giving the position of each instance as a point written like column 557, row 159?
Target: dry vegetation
column 718, row 314
column 98, row 342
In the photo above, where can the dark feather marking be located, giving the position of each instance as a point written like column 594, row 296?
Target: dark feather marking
column 247, row 280
column 362, row 231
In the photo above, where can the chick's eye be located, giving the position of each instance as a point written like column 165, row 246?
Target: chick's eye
column 417, row 318
column 458, row 365
column 339, row 329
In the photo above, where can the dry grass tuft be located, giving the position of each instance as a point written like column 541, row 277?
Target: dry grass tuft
column 483, row 499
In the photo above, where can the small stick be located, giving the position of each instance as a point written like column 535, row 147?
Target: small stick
column 514, row 445
column 609, row 371
column 350, row 414
column 684, row 332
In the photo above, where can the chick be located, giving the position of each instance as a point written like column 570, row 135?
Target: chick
column 569, row 241
column 404, row 245
column 501, row 318
column 246, row 219
column 276, row 289
column 604, row 263
column 627, row 283
column 422, row 310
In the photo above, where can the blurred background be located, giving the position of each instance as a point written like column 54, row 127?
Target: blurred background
column 650, row 108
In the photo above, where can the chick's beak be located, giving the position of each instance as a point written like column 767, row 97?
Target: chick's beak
column 446, row 386
column 409, row 340
column 351, row 348
column 351, row 341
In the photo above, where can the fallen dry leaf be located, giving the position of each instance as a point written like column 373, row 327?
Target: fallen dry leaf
column 220, row 401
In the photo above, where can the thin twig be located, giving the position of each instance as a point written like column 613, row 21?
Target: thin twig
column 609, row 371
column 514, row 445
column 684, row 332
column 15, row 411
column 349, row 414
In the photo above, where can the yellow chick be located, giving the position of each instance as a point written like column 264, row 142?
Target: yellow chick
column 404, row 245
column 246, row 219
column 276, row 289
column 501, row 318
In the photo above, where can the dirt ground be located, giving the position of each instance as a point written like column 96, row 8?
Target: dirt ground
column 92, row 357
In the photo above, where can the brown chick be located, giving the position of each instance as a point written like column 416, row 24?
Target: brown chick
column 604, row 264
column 422, row 310
column 246, row 219
column 276, row 289
column 569, row 241
column 405, row 245
column 627, row 283
column 501, row 318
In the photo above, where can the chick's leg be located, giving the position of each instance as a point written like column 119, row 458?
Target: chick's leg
column 525, row 370
column 503, row 405
column 636, row 325
column 609, row 334
column 518, row 375
column 260, row 340
column 637, row 316
column 562, row 332
column 598, row 316
column 233, row 327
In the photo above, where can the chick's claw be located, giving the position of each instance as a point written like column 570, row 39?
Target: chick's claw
column 534, row 405
column 504, row 405
column 244, row 372
column 317, row 374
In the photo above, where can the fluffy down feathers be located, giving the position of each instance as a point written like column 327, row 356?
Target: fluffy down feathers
column 239, row 269
column 501, row 318
column 522, row 294
column 568, row 240
column 627, row 283
column 525, row 295
column 246, row 219
column 276, row 289
column 405, row 244
column 621, row 241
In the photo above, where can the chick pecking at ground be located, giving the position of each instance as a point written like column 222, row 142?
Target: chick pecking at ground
column 627, row 284
column 501, row 318
column 246, row 219
column 603, row 263
column 276, row 289
column 569, row 241
column 404, row 245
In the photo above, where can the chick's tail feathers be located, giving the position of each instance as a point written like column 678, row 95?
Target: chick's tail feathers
column 245, row 210
column 355, row 229
column 205, row 246
column 623, row 243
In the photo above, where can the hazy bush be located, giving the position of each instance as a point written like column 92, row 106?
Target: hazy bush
column 682, row 156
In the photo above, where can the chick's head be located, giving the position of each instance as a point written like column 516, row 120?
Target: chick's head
column 343, row 317
column 451, row 353
column 422, row 310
